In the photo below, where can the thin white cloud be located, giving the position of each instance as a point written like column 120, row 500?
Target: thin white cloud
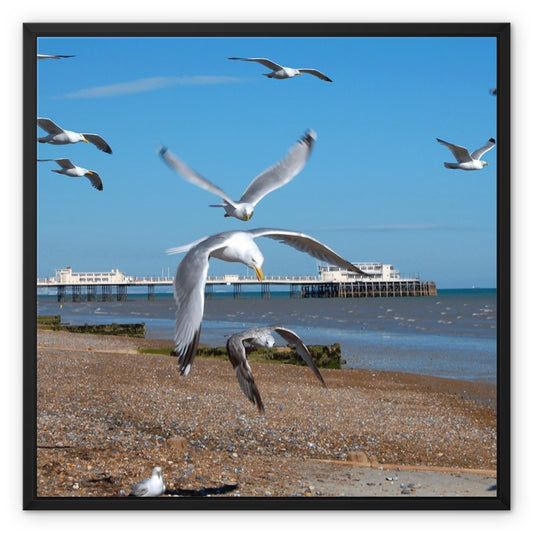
column 384, row 227
column 148, row 84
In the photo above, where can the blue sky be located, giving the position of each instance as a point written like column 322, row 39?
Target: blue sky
column 374, row 188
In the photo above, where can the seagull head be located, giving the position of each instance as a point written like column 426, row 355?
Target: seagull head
column 157, row 472
column 484, row 163
column 255, row 261
column 244, row 211
column 82, row 138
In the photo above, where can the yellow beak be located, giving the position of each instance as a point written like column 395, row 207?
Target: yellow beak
column 85, row 141
column 259, row 274
column 248, row 217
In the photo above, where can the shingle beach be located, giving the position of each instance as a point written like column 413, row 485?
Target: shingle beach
column 107, row 415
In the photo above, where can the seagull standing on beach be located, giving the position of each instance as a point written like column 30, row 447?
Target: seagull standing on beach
column 281, row 73
column 152, row 487
column 465, row 160
column 236, row 247
column 57, row 135
column 69, row 169
column 269, row 180
column 262, row 336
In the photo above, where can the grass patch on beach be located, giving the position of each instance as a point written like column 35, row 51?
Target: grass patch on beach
column 324, row 356
column 54, row 323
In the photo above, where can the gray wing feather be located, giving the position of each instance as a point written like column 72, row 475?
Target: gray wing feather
column 476, row 154
column 50, row 127
column 192, row 176
column 262, row 60
column 98, row 142
column 460, row 153
column 282, row 172
column 245, row 378
column 307, row 244
column 95, row 180
column 63, row 163
column 301, row 349
column 315, row 72
column 189, row 284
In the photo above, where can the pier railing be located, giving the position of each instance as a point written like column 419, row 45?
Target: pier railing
column 299, row 287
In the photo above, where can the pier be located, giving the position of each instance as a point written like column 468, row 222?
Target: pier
column 382, row 281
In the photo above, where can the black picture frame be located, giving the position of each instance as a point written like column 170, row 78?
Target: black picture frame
column 31, row 31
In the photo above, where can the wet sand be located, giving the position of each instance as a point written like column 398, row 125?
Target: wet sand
column 108, row 414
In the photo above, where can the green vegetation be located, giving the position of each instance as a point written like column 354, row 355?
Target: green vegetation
column 128, row 330
column 324, row 356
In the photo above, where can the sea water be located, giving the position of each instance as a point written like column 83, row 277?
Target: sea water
column 451, row 335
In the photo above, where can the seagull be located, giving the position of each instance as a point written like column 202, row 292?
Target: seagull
column 51, row 56
column 73, row 171
column 236, row 247
column 261, row 336
column 465, row 160
column 269, row 180
column 281, row 73
column 494, row 91
column 150, row 487
column 57, row 135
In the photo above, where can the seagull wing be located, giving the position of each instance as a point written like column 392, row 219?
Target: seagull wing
column 315, row 72
column 140, row 489
column 98, row 142
column 189, row 284
column 95, row 180
column 50, row 127
column 63, row 163
column 307, row 244
column 301, row 349
column 262, row 60
column 192, row 176
column 460, row 153
column 476, row 154
column 237, row 357
column 282, row 172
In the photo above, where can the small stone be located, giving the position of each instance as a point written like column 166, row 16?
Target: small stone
column 359, row 458
column 406, row 491
column 177, row 443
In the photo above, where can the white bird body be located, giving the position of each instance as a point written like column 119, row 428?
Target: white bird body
column 262, row 336
column 150, row 488
column 279, row 72
column 267, row 181
column 232, row 246
column 73, row 171
column 57, row 135
column 466, row 160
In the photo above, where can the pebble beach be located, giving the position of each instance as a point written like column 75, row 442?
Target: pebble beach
column 107, row 415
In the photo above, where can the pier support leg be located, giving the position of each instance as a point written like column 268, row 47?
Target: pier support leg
column 151, row 292
column 265, row 290
column 122, row 293
column 61, row 293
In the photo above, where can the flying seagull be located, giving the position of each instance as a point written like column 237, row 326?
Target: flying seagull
column 465, row 160
column 51, row 56
column 236, row 247
column 150, row 487
column 262, row 336
column 57, row 135
column 269, row 180
column 281, row 73
column 73, row 171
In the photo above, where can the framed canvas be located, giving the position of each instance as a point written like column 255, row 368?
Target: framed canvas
column 150, row 378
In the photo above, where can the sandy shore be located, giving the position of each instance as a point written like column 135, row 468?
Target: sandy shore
column 107, row 415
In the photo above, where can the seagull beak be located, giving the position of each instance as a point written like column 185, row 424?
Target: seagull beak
column 85, row 141
column 248, row 217
column 259, row 273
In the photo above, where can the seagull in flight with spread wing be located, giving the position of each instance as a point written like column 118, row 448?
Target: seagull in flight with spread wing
column 281, row 73
column 57, row 135
column 262, row 336
column 73, row 171
column 236, row 247
column 51, row 56
column 269, row 180
column 466, row 160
